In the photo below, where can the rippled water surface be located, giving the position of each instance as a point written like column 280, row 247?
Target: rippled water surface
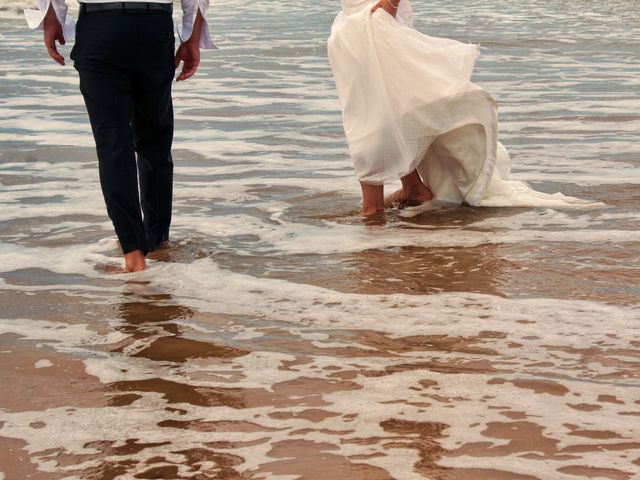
column 280, row 337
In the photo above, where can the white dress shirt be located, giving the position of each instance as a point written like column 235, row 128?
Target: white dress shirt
column 35, row 18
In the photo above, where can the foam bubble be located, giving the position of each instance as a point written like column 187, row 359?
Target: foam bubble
column 43, row 363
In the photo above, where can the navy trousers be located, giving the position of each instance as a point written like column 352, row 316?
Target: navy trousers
column 125, row 59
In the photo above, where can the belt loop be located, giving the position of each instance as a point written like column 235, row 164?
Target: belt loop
column 124, row 6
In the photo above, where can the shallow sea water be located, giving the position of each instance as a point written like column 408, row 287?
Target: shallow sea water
column 280, row 337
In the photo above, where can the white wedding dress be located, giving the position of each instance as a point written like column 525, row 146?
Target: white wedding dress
column 408, row 103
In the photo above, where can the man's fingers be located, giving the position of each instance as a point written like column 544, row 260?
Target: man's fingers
column 53, row 53
column 57, row 57
column 189, row 69
column 53, row 33
column 187, row 72
column 190, row 73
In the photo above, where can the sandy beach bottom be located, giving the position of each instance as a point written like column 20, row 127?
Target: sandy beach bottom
column 266, row 343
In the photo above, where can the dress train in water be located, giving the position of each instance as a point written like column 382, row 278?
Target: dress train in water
column 408, row 103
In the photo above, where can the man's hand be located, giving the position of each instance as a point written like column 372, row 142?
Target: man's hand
column 189, row 54
column 388, row 6
column 189, row 51
column 52, row 33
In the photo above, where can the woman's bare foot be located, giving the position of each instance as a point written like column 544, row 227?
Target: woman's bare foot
column 372, row 199
column 410, row 197
column 134, row 261
column 414, row 192
column 393, row 199
column 368, row 212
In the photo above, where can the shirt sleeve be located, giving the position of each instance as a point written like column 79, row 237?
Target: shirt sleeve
column 189, row 11
column 35, row 18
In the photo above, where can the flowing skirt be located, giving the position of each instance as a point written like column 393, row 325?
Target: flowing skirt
column 408, row 103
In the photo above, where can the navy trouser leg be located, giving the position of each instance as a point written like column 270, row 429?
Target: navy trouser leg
column 153, row 134
column 125, row 62
column 107, row 95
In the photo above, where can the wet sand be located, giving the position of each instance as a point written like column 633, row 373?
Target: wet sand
column 456, row 363
column 149, row 394
column 278, row 336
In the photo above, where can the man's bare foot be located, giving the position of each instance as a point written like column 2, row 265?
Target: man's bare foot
column 161, row 252
column 409, row 197
column 134, row 261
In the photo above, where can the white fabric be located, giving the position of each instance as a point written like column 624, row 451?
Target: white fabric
column 408, row 103
column 189, row 11
column 35, row 18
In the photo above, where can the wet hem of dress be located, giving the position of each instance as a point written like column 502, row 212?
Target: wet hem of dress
column 490, row 160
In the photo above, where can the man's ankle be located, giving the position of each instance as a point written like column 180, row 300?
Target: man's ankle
column 134, row 261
